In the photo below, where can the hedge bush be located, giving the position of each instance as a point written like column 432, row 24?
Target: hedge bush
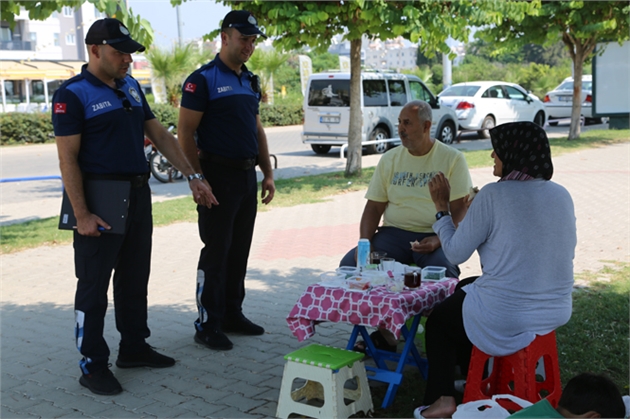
column 35, row 128
column 166, row 114
column 25, row 128
column 281, row 114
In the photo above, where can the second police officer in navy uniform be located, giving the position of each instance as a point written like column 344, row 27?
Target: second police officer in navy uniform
column 220, row 104
column 100, row 118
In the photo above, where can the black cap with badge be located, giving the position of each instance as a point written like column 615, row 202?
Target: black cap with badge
column 112, row 32
column 243, row 21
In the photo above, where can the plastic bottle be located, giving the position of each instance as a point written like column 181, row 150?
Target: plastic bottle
column 363, row 253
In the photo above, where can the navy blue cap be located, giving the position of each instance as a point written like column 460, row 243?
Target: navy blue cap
column 112, row 32
column 243, row 21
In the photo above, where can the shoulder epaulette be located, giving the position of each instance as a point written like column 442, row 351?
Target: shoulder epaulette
column 74, row 79
column 206, row 66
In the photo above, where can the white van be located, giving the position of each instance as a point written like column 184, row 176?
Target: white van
column 327, row 109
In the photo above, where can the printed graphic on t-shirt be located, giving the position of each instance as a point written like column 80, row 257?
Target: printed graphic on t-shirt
column 411, row 179
column 190, row 87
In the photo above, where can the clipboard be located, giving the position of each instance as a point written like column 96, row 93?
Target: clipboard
column 109, row 199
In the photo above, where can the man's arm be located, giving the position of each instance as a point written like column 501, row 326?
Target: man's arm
column 169, row 147
column 264, row 162
column 188, row 122
column 68, row 151
column 371, row 218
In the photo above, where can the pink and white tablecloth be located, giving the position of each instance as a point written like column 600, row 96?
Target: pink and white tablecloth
column 377, row 307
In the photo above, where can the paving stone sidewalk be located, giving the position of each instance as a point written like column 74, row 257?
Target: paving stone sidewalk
column 292, row 246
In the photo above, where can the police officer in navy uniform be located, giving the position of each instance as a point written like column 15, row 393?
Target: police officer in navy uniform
column 220, row 104
column 100, row 118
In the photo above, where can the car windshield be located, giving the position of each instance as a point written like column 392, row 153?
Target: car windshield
column 329, row 93
column 568, row 85
column 460, row 91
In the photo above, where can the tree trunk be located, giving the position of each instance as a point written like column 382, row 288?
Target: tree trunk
column 353, row 162
column 576, row 110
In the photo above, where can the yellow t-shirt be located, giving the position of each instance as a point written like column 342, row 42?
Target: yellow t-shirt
column 401, row 180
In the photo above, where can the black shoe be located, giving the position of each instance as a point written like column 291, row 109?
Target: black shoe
column 214, row 339
column 101, row 382
column 243, row 326
column 146, row 358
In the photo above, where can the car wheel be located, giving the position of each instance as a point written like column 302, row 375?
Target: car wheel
column 487, row 124
column 378, row 134
column 539, row 119
column 447, row 132
column 320, row 149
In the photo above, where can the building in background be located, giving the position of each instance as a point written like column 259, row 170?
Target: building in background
column 395, row 54
column 392, row 55
column 37, row 56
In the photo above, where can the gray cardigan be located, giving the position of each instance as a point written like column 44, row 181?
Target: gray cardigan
column 525, row 234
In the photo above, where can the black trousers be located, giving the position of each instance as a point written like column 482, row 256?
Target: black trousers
column 226, row 231
column 447, row 345
column 129, row 256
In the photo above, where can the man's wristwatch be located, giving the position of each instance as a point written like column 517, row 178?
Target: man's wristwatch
column 441, row 214
column 195, row 176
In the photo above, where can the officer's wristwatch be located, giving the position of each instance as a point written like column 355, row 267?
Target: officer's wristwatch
column 441, row 214
column 195, row 176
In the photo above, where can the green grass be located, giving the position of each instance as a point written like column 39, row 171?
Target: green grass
column 290, row 192
column 594, row 340
column 559, row 146
column 31, row 234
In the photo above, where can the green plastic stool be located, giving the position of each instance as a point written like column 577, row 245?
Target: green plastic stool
column 326, row 370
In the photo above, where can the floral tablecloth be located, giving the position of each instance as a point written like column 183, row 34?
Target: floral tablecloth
column 377, row 307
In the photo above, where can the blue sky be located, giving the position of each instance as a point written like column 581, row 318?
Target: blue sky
column 198, row 18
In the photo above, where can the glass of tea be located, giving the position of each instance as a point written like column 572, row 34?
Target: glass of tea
column 376, row 257
column 412, row 278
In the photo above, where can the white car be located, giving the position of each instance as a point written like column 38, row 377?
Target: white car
column 559, row 101
column 481, row 105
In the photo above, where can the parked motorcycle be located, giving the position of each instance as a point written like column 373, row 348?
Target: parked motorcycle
column 160, row 167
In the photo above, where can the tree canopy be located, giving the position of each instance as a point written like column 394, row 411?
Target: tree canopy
column 580, row 25
column 139, row 28
column 298, row 24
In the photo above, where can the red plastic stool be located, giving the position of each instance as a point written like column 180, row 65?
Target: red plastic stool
column 516, row 374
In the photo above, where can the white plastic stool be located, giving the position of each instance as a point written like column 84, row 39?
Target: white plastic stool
column 326, row 370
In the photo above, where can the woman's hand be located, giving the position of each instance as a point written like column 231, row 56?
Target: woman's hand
column 440, row 191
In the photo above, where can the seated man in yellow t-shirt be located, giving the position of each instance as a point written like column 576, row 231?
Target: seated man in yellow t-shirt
column 399, row 193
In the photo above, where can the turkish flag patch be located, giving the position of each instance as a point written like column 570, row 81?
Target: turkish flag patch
column 60, row 108
column 190, row 87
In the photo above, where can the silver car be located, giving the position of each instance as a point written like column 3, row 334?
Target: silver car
column 559, row 101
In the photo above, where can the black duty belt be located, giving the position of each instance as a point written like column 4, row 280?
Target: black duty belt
column 137, row 181
column 245, row 164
